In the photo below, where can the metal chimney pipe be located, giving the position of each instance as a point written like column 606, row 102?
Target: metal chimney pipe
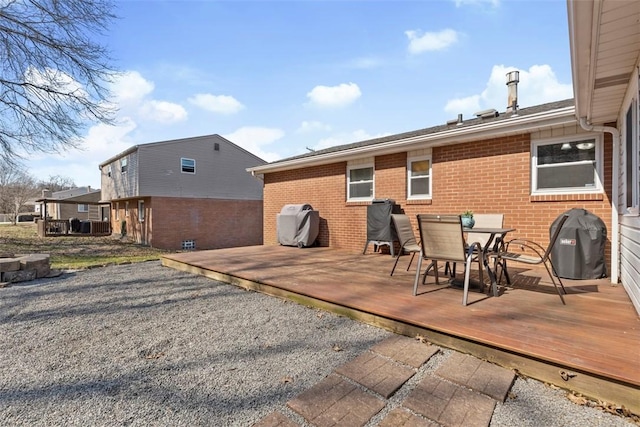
column 513, row 77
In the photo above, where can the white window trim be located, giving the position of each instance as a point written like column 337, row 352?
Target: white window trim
column 634, row 157
column 83, row 205
column 109, row 170
column 351, row 167
column 597, row 188
column 421, row 196
column 124, row 164
column 182, row 166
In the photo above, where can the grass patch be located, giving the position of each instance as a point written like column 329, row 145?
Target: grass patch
column 74, row 252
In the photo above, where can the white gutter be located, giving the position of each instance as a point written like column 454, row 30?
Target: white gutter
column 519, row 124
column 615, row 225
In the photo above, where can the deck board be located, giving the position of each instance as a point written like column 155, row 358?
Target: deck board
column 597, row 332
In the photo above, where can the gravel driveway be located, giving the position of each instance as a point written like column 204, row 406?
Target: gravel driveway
column 142, row 345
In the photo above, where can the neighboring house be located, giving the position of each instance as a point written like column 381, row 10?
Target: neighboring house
column 80, row 203
column 605, row 56
column 191, row 193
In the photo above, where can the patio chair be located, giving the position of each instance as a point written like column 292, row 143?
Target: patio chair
column 533, row 254
column 442, row 239
column 408, row 242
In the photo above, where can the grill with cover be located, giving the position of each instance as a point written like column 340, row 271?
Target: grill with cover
column 297, row 225
column 579, row 250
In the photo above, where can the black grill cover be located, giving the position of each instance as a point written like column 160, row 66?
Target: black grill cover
column 579, row 250
column 379, row 226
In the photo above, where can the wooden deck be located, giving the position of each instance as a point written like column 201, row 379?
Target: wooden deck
column 593, row 341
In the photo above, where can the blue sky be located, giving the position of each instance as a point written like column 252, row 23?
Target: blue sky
column 281, row 77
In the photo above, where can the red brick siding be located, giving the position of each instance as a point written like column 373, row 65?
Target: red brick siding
column 491, row 176
column 212, row 223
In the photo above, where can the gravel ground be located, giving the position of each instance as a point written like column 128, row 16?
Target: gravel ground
column 143, row 345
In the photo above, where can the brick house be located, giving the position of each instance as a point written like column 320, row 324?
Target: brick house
column 191, row 193
column 493, row 163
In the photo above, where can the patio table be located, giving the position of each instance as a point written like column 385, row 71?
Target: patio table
column 494, row 243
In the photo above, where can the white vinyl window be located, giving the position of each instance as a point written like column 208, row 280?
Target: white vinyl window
column 419, row 177
column 83, row 207
column 567, row 165
column 124, row 163
column 187, row 165
column 360, row 182
column 109, row 170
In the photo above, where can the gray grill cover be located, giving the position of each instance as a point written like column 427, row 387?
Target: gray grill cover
column 297, row 225
column 579, row 250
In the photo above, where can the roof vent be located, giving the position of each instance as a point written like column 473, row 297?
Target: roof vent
column 485, row 114
column 457, row 121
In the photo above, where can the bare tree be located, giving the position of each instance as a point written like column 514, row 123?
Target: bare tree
column 16, row 188
column 57, row 183
column 53, row 73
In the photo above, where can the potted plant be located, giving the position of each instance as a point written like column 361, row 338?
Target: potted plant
column 467, row 219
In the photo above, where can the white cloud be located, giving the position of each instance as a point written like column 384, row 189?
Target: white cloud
column 130, row 87
column 334, row 96
column 312, row 126
column 223, row 104
column 538, row 85
column 419, row 43
column 162, row 111
column 254, row 138
column 346, row 138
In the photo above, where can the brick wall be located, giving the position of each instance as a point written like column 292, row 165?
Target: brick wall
column 489, row 176
column 212, row 223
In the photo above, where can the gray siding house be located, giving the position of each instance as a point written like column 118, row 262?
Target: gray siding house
column 191, row 193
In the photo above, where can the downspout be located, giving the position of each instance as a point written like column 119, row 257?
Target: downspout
column 615, row 226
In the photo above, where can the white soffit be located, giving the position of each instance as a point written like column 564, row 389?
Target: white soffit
column 605, row 46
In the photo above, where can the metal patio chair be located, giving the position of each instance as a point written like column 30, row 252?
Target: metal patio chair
column 407, row 238
column 442, row 239
column 533, row 253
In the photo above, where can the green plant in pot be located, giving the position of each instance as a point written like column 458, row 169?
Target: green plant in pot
column 467, row 219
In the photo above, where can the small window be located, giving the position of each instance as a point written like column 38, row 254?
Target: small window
column 83, row 207
column 124, row 162
column 567, row 166
column 126, row 209
column 419, row 178
column 360, row 182
column 188, row 165
column 109, row 170
column 141, row 210
column 117, row 210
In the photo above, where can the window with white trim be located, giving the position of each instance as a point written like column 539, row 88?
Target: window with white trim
column 83, row 207
column 109, row 170
column 124, row 163
column 187, row 165
column 419, row 177
column 360, row 182
column 567, row 165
